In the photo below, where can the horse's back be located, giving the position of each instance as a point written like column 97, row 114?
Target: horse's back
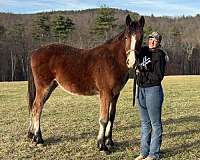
column 53, row 53
column 66, row 65
column 78, row 71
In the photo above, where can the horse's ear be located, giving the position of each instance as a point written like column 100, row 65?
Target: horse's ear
column 128, row 20
column 142, row 21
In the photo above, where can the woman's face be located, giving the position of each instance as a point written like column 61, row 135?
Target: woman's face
column 153, row 43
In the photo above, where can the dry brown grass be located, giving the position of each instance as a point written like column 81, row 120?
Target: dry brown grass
column 70, row 124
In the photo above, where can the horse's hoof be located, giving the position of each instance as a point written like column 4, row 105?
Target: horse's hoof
column 109, row 142
column 103, row 148
column 38, row 144
column 37, row 140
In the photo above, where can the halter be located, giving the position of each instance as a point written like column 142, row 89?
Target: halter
column 131, row 50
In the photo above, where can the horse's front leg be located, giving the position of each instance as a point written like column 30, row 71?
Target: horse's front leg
column 109, row 127
column 103, row 120
column 30, row 128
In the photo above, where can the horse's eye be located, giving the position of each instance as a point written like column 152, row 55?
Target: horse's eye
column 126, row 38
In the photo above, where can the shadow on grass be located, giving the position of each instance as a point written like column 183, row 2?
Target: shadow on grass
column 188, row 132
column 121, row 146
column 169, row 152
column 166, row 122
column 182, row 120
column 53, row 140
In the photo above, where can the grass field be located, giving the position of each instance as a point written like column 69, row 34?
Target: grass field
column 70, row 124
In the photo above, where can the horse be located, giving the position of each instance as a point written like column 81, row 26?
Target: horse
column 101, row 70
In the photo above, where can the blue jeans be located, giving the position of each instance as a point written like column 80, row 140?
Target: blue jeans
column 150, row 101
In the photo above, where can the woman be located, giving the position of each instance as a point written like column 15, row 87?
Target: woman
column 150, row 73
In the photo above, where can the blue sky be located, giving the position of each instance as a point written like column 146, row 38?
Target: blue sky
column 143, row 7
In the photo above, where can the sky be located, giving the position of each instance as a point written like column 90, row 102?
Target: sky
column 172, row 8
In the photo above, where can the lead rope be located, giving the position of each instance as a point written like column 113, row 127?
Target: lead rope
column 134, row 84
column 131, row 50
column 135, row 76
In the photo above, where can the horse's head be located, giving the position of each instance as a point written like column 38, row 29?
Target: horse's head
column 133, row 39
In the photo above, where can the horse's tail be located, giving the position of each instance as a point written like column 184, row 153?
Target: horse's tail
column 31, row 87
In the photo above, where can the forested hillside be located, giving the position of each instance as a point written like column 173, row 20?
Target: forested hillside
column 19, row 34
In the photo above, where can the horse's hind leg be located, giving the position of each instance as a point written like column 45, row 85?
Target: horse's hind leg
column 50, row 89
column 105, row 99
column 42, row 95
column 109, row 127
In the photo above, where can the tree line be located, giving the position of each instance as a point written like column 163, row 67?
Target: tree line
column 19, row 34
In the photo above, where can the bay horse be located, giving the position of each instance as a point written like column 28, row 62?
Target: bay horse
column 101, row 70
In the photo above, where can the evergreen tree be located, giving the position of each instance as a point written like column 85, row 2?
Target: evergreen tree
column 62, row 27
column 147, row 31
column 41, row 27
column 104, row 22
column 17, row 33
column 134, row 17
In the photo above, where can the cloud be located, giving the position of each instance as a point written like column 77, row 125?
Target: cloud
column 33, row 6
column 162, row 7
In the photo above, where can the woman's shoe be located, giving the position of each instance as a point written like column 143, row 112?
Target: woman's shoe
column 151, row 158
column 140, row 157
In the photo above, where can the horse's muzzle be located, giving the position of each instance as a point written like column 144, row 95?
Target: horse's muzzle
column 129, row 64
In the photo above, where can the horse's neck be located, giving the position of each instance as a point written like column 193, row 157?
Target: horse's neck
column 118, row 49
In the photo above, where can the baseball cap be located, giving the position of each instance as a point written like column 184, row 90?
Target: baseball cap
column 155, row 35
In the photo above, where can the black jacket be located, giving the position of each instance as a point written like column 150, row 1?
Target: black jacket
column 153, row 72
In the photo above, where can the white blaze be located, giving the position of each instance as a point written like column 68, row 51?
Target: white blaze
column 131, row 55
